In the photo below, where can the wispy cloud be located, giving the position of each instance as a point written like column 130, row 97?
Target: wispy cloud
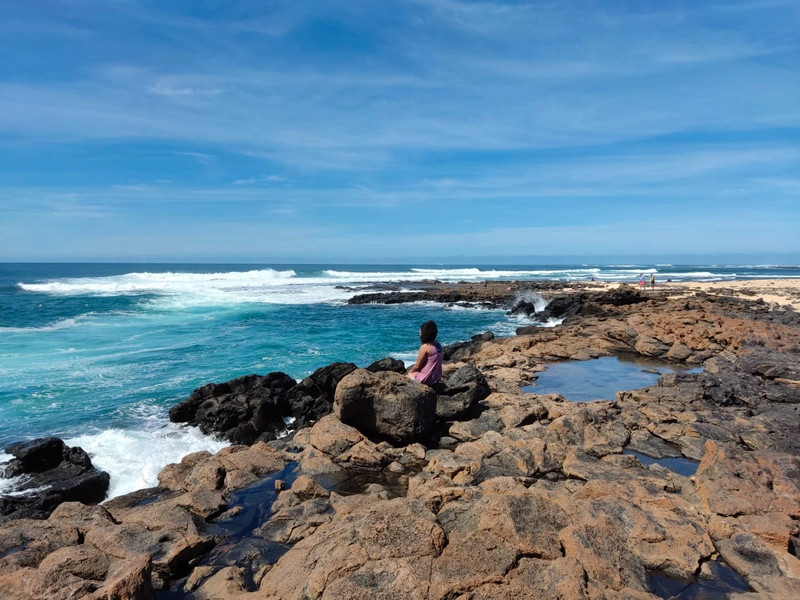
column 356, row 114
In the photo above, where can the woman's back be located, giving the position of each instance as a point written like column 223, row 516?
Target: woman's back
column 431, row 372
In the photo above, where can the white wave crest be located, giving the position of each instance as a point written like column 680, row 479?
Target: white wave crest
column 461, row 274
column 142, row 283
column 134, row 457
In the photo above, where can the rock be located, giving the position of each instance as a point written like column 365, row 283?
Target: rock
column 386, row 404
column 746, row 554
column 332, row 437
column 461, row 394
column 470, row 560
column 55, row 473
column 582, row 303
column 604, row 555
column 312, row 398
column 649, row 346
column 306, row 488
column 735, row 482
column 383, row 542
column 241, row 410
column 388, row 364
column 35, row 456
column 227, row 583
column 131, row 580
column 486, row 336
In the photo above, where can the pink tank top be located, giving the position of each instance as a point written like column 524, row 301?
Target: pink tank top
column 431, row 371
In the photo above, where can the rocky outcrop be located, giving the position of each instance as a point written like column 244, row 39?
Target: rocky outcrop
column 133, row 544
column 585, row 304
column 387, row 405
column 49, row 472
column 256, row 407
column 312, row 398
column 240, row 410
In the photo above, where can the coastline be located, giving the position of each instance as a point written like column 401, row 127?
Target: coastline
column 511, row 417
column 784, row 292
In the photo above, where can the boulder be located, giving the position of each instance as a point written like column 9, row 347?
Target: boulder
column 387, row 405
column 388, row 364
column 461, row 394
column 54, row 473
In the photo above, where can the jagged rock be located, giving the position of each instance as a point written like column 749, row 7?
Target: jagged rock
column 583, row 303
column 486, row 336
column 462, row 391
column 388, row 364
column 312, row 398
column 386, row 404
column 52, row 473
column 241, row 410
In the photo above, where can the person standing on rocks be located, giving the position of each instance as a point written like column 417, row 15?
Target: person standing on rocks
column 652, row 281
column 428, row 368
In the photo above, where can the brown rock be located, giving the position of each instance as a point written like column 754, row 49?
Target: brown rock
column 604, row 556
column 386, row 404
column 332, row 437
column 306, row 488
column 129, row 581
column 469, row 561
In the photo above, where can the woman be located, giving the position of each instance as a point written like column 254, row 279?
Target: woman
column 428, row 368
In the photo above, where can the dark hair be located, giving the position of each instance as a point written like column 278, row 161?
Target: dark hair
column 428, row 332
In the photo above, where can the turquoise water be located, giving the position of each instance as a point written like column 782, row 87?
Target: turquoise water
column 97, row 353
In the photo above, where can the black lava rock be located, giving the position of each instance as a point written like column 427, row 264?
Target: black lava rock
column 52, row 473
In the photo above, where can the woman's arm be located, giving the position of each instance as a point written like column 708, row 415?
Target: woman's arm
column 421, row 356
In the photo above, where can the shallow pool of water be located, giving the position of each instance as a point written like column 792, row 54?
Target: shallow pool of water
column 682, row 466
column 720, row 581
column 601, row 378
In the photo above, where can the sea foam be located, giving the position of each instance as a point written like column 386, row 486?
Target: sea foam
column 134, row 457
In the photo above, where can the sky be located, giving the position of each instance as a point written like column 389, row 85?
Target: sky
column 405, row 130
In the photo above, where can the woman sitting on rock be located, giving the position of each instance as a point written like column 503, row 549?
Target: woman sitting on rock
column 428, row 368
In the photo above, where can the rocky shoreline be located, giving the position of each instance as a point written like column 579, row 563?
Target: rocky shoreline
column 489, row 491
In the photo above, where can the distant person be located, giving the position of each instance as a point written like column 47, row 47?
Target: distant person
column 428, row 368
column 652, row 281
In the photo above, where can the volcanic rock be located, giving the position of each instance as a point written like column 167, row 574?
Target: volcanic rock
column 240, row 410
column 312, row 398
column 388, row 364
column 52, row 473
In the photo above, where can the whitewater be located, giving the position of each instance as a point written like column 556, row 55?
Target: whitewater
column 97, row 353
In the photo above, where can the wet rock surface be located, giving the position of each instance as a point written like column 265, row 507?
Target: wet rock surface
column 531, row 496
column 49, row 472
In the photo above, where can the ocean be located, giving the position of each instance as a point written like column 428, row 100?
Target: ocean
column 97, row 353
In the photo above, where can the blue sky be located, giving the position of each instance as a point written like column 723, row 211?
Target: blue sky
column 409, row 130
